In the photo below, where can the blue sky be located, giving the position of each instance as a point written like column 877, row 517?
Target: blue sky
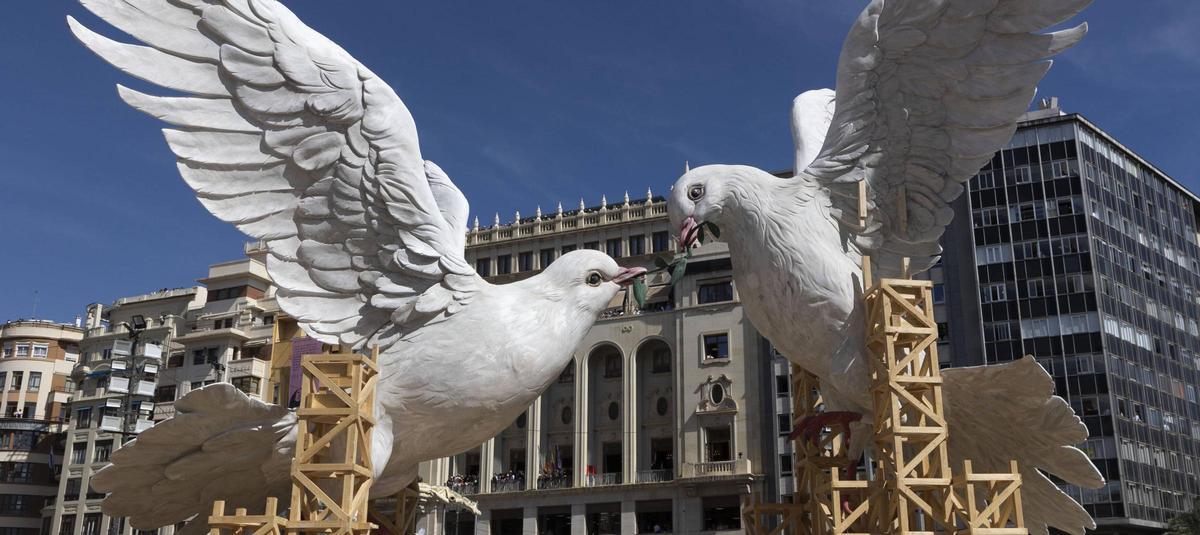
column 522, row 102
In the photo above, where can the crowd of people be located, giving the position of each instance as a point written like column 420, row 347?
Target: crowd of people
column 553, row 477
column 510, row 480
column 463, row 483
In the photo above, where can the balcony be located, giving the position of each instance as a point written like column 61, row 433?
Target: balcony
column 717, row 468
column 655, row 476
column 111, row 423
column 508, row 486
column 552, row 483
column 249, row 367
column 465, row 489
column 603, row 480
column 164, row 410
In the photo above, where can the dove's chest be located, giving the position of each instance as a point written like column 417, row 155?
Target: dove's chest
column 797, row 287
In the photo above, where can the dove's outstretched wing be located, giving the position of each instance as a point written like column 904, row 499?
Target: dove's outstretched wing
column 927, row 92
column 288, row 137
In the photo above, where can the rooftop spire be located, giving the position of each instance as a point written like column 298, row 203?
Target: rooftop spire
column 538, row 214
column 626, row 197
column 603, row 201
column 559, row 208
column 582, row 206
column 649, row 195
column 496, row 220
column 476, row 223
column 517, row 217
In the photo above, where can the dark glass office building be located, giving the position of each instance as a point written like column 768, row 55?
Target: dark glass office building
column 1071, row 248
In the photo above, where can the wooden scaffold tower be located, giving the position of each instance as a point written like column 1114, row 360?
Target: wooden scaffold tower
column 331, row 471
column 912, row 488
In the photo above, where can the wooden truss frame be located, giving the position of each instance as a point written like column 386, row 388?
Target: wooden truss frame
column 913, row 489
column 331, row 472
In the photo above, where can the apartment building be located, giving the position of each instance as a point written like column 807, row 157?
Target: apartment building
column 36, row 358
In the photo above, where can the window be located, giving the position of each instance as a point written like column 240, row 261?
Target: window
column 593, row 245
column 722, row 513
column 22, row 350
column 546, row 257
column 72, row 490
column 78, row 452
column 716, row 346
column 91, row 522
column 3, row 376
column 986, row 179
column 16, row 381
column 164, row 394
column 637, row 245
column 662, row 406
column 660, row 242
column 992, row 293
column 1060, row 169
column 785, row 423
column 102, row 450
column 568, row 374
column 67, row 525
column 504, row 264
column 613, row 247
column 939, row 293
column 783, row 385
column 1022, row 175
column 612, row 365
column 35, row 381
column 566, row 249
column 1035, row 288
column 483, row 267
column 785, row 464
column 249, row 385
column 660, row 360
column 30, row 410
column 207, row 355
column 83, row 418
column 943, row 330
column 41, row 351
column 16, row 472
column 8, row 351
column 717, row 445
column 525, row 261
column 715, row 292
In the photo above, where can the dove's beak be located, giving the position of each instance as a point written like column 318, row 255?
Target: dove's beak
column 626, row 276
column 689, row 233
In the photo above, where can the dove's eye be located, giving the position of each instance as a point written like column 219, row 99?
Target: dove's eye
column 594, row 278
column 696, row 192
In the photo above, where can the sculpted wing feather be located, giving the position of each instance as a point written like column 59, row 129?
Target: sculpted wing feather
column 927, row 91
column 285, row 135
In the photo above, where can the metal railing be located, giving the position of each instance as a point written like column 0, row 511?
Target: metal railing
column 508, row 486
column 554, row 483
column 655, row 476
column 602, row 480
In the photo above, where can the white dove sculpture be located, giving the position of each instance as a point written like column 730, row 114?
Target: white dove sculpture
column 285, row 135
column 927, row 92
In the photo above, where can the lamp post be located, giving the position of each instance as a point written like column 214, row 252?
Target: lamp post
column 135, row 373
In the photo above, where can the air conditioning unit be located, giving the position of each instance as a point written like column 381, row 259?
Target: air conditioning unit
column 153, row 351
column 150, row 368
column 118, row 384
column 122, row 347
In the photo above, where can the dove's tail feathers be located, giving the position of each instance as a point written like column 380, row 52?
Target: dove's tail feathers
column 1009, row 411
column 220, row 445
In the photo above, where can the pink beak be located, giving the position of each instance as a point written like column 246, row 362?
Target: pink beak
column 689, row 233
column 626, row 276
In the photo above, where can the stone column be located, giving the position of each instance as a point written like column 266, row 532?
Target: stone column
column 486, row 465
column 629, row 421
column 483, row 522
column 578, row 519
column 533, row 443
column 628, row 516
column 581, row 424
column 529, row 521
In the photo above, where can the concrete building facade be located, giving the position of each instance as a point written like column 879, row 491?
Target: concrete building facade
column 36, row 358
column 656, row 423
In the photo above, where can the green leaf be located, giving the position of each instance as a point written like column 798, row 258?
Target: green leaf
column 677, row 271
column 700, row 237
column 714, row 230
column 660, row 262
column 639, row 292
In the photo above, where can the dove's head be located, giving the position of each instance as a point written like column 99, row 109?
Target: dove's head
column 588, row 278
column 710, row 194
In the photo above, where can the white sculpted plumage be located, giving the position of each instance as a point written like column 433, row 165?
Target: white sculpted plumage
column 285, row 135
column 927, row 92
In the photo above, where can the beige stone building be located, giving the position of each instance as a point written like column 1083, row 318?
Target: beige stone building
column 120, row 357
column 36, row 358
column 662, row 420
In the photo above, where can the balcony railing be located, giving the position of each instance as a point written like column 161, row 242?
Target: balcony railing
column 465, row 488
column 655, row 476
column 601, row 480
column 548, row 483
column 508, row 486
column 716, row 468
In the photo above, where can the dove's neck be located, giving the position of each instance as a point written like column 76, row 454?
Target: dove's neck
column 754, row 204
